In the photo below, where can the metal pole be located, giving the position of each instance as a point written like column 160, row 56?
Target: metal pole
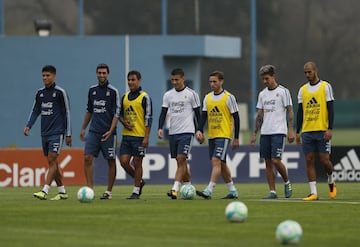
column 127, row 59
column 81, row 17
column 197, row 17
column 2, row 18
column 253, row 62
column 164, row 17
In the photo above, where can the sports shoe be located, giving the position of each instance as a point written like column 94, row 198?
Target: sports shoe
column 271, row 195
column 40, row 195
column 332, row 190
column 60, row 196
column 134, row 196
column 232, row 195
column 141, row 186
column 106, row 196
column 288, row 190
column 172, row 194
column 311, row 197
column 206, row 194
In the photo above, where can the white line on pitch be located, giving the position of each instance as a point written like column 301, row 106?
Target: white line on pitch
column 300, row 200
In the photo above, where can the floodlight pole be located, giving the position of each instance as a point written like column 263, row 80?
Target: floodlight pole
column 253, row 62
column 81, row 17
column 2, row 18
column 164, row 17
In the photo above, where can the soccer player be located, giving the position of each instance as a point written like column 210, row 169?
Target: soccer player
column 103, row 109
column 52, row 103
column 315, row 118
column 181, row 103
column 221, row 112
column 136, row 117
column 274, row 106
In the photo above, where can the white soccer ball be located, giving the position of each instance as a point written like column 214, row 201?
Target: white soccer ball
column 236, row 211
column 288, row 232
column 187, row 192
column 85, row 194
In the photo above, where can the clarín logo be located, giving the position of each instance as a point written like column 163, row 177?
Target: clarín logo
column 348, row 169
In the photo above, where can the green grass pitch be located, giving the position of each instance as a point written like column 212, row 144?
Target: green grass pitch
column 156, row 220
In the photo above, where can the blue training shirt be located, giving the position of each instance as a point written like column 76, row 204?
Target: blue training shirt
column 104, row 105
column 54, row 106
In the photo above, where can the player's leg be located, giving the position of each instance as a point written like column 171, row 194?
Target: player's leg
column 108, row 149
column 138, row 153
column 309, row 148
column 226, row 174
column 324, row 155
column 266, row 150
column 277, row 149
column 92, row 149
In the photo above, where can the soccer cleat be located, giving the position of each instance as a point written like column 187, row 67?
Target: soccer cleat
column 172, row 194
column 311, row 197
column 106, row 196
column 134, row 196
column 206, row 194
column 60, row 196
column 141, row 186
column 271, row 195
column 40, row 195
column 332, row 190
column 232, row 195
column 288, row 190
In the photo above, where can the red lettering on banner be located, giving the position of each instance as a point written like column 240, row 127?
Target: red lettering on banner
column 28, row 167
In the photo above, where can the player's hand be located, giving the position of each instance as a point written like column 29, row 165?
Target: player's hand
column 236, row 143
column 26, row 131
column 106, row 136
column 82, row 134
column 127, row 124
column 160, row 133
column 253, row 139
column 145, row 142
column 328, row 135
column 68, row 141
column 290, row 136
column 298, row 139
column 200, row 136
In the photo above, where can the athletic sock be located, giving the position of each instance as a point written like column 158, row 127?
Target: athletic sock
column 211, row 186
column 330, row 178
column 176, row 186
column 313, row 187
column 61, row 189
column 46, row 188
column 136, row 190
column 231, row 186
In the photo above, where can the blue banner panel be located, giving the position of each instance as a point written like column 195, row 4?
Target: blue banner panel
column 244, row 163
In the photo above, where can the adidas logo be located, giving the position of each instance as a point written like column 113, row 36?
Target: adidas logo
column 215, row 112
column 312, row 103
column 348, row 169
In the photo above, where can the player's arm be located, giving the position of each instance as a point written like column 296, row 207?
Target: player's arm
column 290, row 123
column 84, row 125
column 162, row 118
column 197, row 114
column 299, row 122
column 66, row 101
column 257, row 124
column 200, row 128
column 35, row 112
column 330, row 109
column 147, row 105
column 236, row 118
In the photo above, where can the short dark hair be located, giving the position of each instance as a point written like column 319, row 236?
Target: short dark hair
column 49, row 68
column 219, row 74
column 178, row 71
column 103, row 66
column 134, row 72
column 267, row 70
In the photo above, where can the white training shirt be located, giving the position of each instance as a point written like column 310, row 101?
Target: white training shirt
column 274, row 103
column 312, row 88
column 180, row 106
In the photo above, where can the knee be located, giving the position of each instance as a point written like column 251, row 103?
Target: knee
column 88, row 160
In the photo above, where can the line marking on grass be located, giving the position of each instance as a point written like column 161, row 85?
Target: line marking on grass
column 301, row 201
